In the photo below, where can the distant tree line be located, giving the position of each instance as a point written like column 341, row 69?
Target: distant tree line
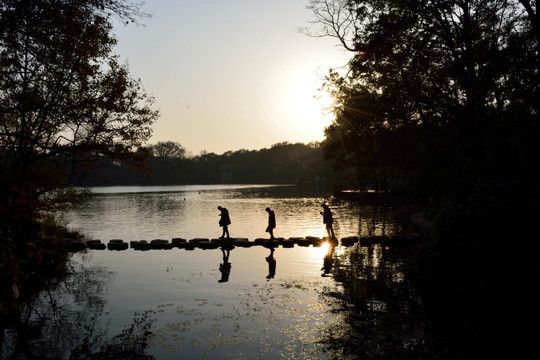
column 169, row 164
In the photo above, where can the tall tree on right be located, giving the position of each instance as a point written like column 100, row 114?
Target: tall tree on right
column 445, row 88
column 447, row 92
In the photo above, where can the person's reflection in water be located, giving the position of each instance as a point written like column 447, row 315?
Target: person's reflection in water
column 225, row 268
column 328, row 259
column 271, row 264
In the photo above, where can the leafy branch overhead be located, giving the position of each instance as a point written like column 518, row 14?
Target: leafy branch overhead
column 65, row 97
column 435, row 90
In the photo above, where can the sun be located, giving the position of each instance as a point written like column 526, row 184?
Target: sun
column 309, row 107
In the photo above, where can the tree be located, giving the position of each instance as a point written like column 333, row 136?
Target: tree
column 454, row 85
column 168, row 149
column 460, row 77
column 65, row 99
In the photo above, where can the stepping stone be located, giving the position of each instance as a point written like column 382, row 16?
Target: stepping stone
column 189, row 246
column 280, row 240
column 230, row 241
column 308, row 240
column 227, row 246
column 243, row 242
column 313, row 239
column 76, row 245
column 179, row 242
column 141, row 245
column 199, row 240
column 287, row 243
column 117, row 244
column 208, row 245
column 95, row 245
column 270, row 243
column 160, row 244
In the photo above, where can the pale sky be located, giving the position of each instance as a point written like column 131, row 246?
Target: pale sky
column 231, row 74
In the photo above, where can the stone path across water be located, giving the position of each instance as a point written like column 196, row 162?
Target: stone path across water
column 76, row 245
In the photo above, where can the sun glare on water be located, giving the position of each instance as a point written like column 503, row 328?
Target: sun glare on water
column 316, row 254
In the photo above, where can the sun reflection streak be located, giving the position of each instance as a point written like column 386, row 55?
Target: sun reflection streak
column 314, row 256
column 322, row 250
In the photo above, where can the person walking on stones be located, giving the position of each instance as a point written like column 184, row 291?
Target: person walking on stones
column 271, row 223
column 328, row 220
column 224, row 221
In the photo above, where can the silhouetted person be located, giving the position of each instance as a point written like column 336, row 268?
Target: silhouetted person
column 224, row 221
column 328, row 220
column 271, row 222
column 225, row 268
column 271, row 264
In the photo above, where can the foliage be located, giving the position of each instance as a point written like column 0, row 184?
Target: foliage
column 168, row 150
column 283, row 163
column 65, row 99
column 440, row 90
column 441, row 98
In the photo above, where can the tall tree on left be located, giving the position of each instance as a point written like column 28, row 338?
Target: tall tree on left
column 65, row 100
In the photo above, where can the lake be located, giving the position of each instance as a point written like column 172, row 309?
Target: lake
column 251, row 303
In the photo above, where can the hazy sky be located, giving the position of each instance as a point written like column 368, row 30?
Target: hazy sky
column 231, row 74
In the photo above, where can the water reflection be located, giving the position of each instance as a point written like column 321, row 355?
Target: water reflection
column 329, row 257
column 65, row 322
column 71, row 320
column 190, row 214
column 166, row 304
column 383, row 316
column 271, row 264
column 225, row 267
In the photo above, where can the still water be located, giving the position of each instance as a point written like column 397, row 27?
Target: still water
column 171, row 304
